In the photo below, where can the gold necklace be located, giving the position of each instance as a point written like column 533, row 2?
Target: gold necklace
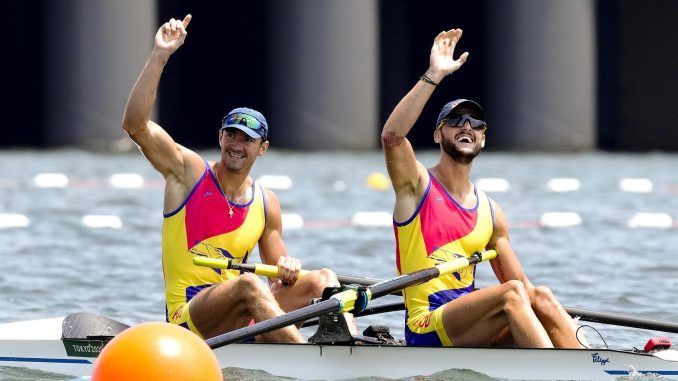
column 228, row 202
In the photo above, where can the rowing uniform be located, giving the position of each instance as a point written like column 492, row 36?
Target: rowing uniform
column 202, row 226
column 440, row 230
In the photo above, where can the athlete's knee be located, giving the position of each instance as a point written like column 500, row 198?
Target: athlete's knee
column 249, row 286
column 543, row 299
column 543, row 293
column 327, row 278
column 515, row 295
column 320, row 279
column 515, row 287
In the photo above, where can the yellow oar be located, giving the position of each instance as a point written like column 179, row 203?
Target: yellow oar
column 228, row 264
column 268, row 270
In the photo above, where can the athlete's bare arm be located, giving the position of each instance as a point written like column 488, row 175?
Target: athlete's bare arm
column 290, row 291
column 177, row 164
column 506, row 265
column 409, row 178
column 271, row 246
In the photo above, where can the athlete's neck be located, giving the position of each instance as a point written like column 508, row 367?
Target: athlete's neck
column 233, row 184
column 454, row 177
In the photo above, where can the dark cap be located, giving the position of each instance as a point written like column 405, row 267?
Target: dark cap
column 475, row 110
column 247, row 120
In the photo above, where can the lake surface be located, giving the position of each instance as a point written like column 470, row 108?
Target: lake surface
column 57, row 264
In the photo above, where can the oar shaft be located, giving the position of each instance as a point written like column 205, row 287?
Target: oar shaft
column 421, row 276
column 387, row 287
column 583, row 314
column 324, row 307
column 623, row 320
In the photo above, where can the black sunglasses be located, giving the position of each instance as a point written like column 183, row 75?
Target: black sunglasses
column 459, row 120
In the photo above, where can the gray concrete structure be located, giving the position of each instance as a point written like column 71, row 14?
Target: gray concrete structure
column 95, row 51
column 323, row 74
column 541, row 71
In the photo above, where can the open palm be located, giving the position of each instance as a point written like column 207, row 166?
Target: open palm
column 442, row 53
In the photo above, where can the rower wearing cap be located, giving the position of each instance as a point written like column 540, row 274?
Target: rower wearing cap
column 217, row 210
column 440, row 214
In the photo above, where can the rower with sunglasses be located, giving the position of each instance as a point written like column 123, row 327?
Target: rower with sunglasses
column 216, row 209
column 440, row 214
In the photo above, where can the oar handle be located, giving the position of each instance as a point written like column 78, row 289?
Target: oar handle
column 227, row 264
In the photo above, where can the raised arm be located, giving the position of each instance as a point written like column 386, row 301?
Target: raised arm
column 407, row 175
column 506, row 265
column 158, row 147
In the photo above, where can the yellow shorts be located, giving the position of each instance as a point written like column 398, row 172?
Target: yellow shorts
column 425, row 328
column 181, row 316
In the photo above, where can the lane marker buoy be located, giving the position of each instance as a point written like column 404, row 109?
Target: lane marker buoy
column 372, row 219
column 562, row 185
column 50, row 180
column 493, row 184
column 291, row 221
column 126, row 180
column 98, row 221
column 559, row 219
column 278, row 182
column 650, row 220
column 378, row 181
column 13, row 220
column 636, row 185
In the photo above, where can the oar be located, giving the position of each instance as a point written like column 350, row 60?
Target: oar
column 584, row 315
column 345, row 301
column 623, row 320
column 268, row 270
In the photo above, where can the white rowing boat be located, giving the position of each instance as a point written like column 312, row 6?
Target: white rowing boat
column 49, row 345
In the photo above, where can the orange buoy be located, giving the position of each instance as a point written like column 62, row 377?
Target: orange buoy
column 156, row 351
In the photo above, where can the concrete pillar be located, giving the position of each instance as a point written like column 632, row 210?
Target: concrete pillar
column 542, row 82
column 323, row 74
column 95, row 51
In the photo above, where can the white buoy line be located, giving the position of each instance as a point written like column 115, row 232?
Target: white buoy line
column 283, row 182
column 294, row 221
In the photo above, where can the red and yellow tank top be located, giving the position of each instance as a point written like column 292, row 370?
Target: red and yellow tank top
column 202, row 226
column 441, row 229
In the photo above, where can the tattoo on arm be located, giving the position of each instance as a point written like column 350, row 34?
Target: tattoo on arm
column 390, row 139
column 500, row 270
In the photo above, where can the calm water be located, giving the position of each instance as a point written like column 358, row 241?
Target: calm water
column 57, row 265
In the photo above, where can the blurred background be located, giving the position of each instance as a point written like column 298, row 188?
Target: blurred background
column 583, row 134
column 558, row 75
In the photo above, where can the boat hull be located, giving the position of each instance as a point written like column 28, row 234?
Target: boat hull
column 332, row 362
